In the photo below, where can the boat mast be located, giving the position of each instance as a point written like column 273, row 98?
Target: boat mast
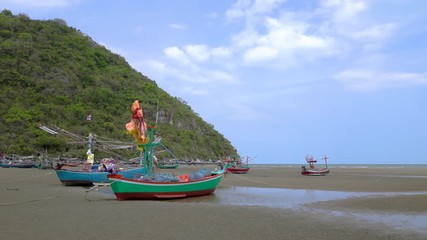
column 326, row 162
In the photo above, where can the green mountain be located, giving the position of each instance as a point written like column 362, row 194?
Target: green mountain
column 54, row 75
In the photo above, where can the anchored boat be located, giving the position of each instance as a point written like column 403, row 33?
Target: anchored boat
column 159, row 186
column 236, row 165
column 312, row 170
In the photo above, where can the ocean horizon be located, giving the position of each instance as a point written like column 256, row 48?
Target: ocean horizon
column 360, row 165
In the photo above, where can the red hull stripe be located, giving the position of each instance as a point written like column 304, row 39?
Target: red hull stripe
column 155, row 195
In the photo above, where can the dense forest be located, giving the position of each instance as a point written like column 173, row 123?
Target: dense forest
column 55, row 75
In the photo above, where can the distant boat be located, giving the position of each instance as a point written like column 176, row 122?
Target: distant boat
column 312, row 170
column 168, row 165
column 17, row 165
column 238, row 170
column 236, row 166
column 16, row 162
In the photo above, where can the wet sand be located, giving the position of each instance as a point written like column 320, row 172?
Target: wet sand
column 34, row 205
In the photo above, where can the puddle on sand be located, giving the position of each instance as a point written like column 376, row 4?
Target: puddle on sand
column 270, row 197
column 299, row 199
column 296, row 199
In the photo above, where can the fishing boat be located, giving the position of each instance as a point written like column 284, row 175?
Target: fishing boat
column 85, row 176
column 159, row 186
column 236, row 166
column 168, row 165
column 17, row 165
column 312, row 170
column 71, row 174
column 238, row 170
column 16, row 162
column 146, row 188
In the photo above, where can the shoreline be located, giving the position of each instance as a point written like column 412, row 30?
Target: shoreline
column 48, row 210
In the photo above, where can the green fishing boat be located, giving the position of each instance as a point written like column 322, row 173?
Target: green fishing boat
column 168, row 165
column 160, row 186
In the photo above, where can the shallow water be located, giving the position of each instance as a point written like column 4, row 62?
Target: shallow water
column 301, row 199
column 298, row 199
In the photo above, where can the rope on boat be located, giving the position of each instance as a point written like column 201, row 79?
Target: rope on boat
column 96, row 187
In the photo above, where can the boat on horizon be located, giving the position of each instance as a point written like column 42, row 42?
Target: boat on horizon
column 236, row 166
column 312, row 170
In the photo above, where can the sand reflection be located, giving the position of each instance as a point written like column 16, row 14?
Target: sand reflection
column 306, row 200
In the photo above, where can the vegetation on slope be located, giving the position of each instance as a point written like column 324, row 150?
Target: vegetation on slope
column 52, row 74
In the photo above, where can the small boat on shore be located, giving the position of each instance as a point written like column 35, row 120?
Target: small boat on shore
column 168, row 165
column 89, row 176
column 173, row 187
column 236, row 166
column 16, row 161
column 312, row 170
column 17, row 165
column 72, row 173
column 159, row 186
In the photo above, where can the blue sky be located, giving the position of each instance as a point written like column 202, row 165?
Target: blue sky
column 279, row 79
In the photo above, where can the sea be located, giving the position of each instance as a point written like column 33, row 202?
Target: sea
column 343, row 165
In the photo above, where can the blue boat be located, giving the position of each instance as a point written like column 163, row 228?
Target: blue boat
column 17, row 165
column 69, row 177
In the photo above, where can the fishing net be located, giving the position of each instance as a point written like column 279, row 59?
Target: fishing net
column 160, row 177
column 167, row 177
column 200, row 174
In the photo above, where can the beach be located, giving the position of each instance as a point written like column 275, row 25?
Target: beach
column 269, row 203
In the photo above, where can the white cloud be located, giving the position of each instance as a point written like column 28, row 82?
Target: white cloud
column 245, row 8
column 221, row 52
column 260, row 54
column 343, row 10
column 43, row 3
column 370, row 79
column 236, row 11
column 275, row 36
column 176, row 54
column 379, row 31
column 285, row 39
column 177, row 26
column 374, row 36
column 221, row 76
column 199, row 53
column 154, row 66
column 245, row 38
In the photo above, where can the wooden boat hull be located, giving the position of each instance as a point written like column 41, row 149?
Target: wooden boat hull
column 237, row 170
column 168, row 166
column 17, row 165
column 315, row 172
column 129, row 189
column 82, row 178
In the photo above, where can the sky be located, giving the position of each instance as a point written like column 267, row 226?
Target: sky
column 278, row 78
